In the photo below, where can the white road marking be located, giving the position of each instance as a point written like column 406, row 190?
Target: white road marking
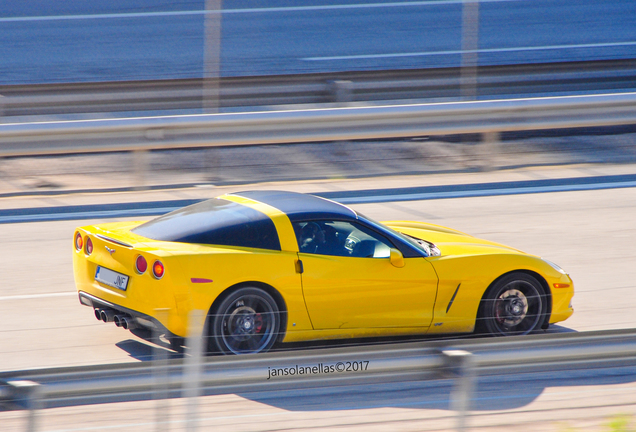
column 38, row 296
column 484, row 193
column 478, row 51
column 86, row 215
column 242, row 11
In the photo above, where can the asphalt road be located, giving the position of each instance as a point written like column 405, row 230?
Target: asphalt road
column 47, row 41
column 589, row 233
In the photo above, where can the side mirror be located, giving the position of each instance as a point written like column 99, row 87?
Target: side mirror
column 397, row 259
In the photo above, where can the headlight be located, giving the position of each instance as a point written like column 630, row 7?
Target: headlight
column 554, row 266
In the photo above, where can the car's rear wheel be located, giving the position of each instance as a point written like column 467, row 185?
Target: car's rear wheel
column 247, row 321
column 514, row 305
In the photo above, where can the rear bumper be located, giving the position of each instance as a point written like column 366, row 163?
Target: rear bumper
column 143, row 320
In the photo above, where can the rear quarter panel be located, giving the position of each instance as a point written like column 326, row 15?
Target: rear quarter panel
column 228, row 267
column 195, row 275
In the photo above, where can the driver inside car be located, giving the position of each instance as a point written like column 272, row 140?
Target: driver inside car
column 320, row 238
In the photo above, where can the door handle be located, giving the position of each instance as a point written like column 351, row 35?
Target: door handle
column 299, row 267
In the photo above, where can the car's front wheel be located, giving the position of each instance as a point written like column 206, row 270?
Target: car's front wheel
column 247, row 321
column 514, row 305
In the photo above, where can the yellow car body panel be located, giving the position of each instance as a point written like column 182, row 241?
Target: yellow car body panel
column 281, row 221
column 467, row 268
column 323, row 296
column 357, row 293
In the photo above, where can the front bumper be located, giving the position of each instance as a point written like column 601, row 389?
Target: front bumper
column 562, row 299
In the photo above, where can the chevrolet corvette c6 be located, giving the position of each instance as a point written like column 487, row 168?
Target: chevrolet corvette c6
column 269, row 266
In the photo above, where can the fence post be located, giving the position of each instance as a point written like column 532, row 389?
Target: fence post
column 460, row 365
column 212, row 56
column 29, row 394
column 192, row 367
column 470, row 48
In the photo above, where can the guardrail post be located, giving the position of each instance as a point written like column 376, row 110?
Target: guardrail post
column 192, row 367
column 141, row 167
column 487, row 149
column 460, row 365
column 342, row 91
column 28, row 393
column 160, row 374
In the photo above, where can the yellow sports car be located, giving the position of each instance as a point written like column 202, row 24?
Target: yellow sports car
column 272, row 266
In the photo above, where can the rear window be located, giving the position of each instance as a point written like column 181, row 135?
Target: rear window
column 217, row 222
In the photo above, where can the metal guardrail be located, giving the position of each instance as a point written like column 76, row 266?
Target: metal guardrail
column 316, row 125
column 414, row 360
column 364, row 86
column 460, row 360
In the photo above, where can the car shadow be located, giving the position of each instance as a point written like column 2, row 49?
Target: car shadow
column 151, row 348
column 506, row 391
column 492, row 392
column 553, row 329
column 499, row 392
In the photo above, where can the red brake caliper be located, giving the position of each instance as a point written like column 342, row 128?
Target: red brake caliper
column 258, row 322
column 498, row 317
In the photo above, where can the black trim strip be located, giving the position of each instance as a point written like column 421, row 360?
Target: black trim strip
column 117, row 242
column 97, row 303
column 453, row 298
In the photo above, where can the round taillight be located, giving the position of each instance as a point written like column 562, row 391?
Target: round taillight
column 89, row 246
column 158, row 270
column 79, row 243
column 141, row 265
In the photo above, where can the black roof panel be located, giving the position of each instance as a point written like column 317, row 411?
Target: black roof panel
column 298, row 206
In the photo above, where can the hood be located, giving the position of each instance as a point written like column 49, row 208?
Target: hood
column 448, row 240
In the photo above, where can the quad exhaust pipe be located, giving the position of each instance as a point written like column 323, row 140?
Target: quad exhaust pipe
column 128, row 323
column 105, row 315
column 124, row 321
column 117, row 320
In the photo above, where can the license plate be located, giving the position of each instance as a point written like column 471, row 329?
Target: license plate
column 111, row 278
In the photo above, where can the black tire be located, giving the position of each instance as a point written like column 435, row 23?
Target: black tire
column 516, row 304
column 247, row 321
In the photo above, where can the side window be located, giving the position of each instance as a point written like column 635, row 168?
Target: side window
column 339, row 238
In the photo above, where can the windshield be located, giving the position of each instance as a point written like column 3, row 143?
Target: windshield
column 427, row 248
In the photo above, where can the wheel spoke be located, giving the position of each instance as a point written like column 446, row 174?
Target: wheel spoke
column 252, row 344
column 249, row 323
column 251, row 302
column 516, row 308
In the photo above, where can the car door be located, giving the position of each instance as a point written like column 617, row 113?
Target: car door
column 349, row 282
